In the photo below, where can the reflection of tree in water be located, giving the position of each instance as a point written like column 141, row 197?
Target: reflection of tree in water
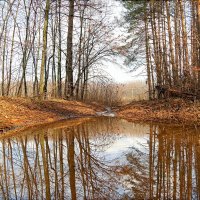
column 69, row 163
column 63, row 164
column 167, row 167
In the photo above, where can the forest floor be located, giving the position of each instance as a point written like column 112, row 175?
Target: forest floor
column 26, row 112
column 166, row 110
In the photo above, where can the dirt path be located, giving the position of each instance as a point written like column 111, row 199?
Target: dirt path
column 169, row 111
column 18, row 112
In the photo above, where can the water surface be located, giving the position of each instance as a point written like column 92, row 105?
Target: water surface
column 101, row 158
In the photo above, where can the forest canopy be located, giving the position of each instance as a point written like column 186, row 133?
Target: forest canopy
column 169, row 32
column 53, row 48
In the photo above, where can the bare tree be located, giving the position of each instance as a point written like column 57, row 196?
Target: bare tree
column 44, row 50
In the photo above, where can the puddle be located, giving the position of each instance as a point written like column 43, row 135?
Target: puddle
column 101, row 158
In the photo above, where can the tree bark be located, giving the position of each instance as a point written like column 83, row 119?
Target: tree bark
column 69, row 61
column 186, row 70
column 44, row 51
column 59, row 50
column 198, row 36
column 147, row 55
column 174, row 67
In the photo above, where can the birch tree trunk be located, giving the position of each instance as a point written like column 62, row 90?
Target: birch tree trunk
column 186, row 70
column 147, row 54
column 174, row 67
column 44, row 51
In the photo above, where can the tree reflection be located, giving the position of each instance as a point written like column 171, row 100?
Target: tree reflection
column 57, row 164
column 167, row 167
column 70, row 163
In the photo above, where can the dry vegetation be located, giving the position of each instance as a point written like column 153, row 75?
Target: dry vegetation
column 133, row 91
column 26, row 112
column 166, row 110
column 17, row 112
column 113, row 94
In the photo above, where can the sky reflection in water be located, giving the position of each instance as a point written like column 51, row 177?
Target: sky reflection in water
column 101, row 158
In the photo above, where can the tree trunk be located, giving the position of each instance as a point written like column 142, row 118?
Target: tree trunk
column 147, row 54
column 172, row 60
column 11, row 54
column 44, row 50
column 59, row 50
column 69, row 61
column 155, row 44
column 186, row 70
column 3, row 61
column 79, row 54
column 198, row 27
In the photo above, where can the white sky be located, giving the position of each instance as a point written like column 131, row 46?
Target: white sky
column 119, row 72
